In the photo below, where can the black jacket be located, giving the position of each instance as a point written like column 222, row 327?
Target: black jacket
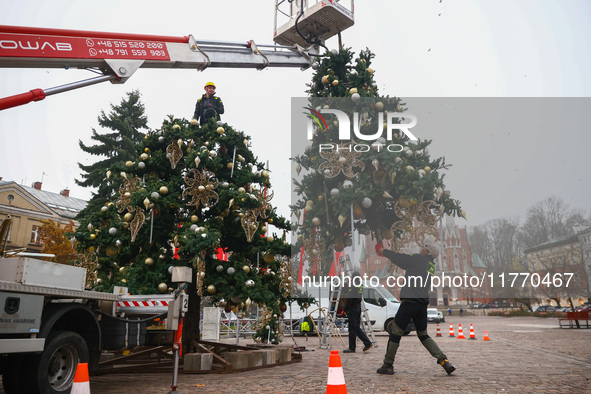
column 419, row 269
column 207, row 108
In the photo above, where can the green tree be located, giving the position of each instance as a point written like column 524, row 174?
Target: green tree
column 193, row 192
column 126, row 120
column 396, row 195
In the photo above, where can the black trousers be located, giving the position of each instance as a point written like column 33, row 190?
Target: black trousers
column 355, row 330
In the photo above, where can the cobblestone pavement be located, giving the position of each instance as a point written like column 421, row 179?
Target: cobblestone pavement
column 524, row 355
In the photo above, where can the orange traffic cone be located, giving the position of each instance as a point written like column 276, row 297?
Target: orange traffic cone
column 438, row 331
column 81, row 383
column 451, row 330
column 460, row 333
column 336, row 379
column 472, row 335
column 486, row 338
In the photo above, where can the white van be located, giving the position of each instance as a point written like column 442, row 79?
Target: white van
column 380, row 303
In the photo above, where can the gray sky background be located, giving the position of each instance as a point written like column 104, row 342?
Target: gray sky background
column 460, row 48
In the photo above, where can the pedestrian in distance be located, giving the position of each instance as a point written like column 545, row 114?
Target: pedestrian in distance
column 208, row 106
column 414, row 299
column 448, row 311
column 353, row 310
column 461, row 312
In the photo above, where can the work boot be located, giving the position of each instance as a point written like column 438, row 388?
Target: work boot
column 348, row 351
column 447, row 366
column 386, row 369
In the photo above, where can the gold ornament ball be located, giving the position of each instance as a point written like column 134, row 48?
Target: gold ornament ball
column 144, row 156
column 265, row 173
column 149, row 261
column 162, row 287
column 379, row 106
column 241, row 190
column 270, row 220
column 246, row 268
column 129, row 163
column 316, row 221
column 121, row 269
column 124, row 280
column 353, row 90
column 229, row 165
column 270, row 238
column 194, row 218
column 263, row 229
column 220, row 130
column 92, row 236
column 211, row 289
column 335, row 82
column 268, row 258
column 128, row 217
column 427, row 169
column 163, row 190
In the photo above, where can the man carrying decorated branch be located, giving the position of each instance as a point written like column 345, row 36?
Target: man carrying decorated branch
column 415, row 299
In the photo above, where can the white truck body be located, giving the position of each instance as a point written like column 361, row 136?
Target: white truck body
column 49, row 323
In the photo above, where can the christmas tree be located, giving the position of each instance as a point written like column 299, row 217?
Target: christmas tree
column 377, row 182
column 193, row 196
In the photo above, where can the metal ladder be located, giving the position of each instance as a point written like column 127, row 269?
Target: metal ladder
column 329, row 322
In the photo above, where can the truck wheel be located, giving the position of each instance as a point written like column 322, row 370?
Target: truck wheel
column 53, row 370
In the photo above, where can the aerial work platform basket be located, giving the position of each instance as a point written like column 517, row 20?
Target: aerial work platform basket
column 303, row 23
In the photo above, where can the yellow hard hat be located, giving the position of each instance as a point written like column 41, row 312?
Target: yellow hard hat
column 210, row 84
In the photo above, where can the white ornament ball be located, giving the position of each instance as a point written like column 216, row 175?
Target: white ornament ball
column 104, row 209
column 230, row 271
column 194, row 227
column 194, row 122
column 366, row 202
column 141, row 165
column 219, row 268
column 316, row 221
column 335, row 192
column 355, row 97
column 347, row 184
column 155, row 196
column 112, row 231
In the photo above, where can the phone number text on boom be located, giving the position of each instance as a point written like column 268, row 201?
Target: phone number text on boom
column 523, row 279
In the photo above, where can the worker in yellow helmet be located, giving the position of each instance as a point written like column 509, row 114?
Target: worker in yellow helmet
column 209, row 105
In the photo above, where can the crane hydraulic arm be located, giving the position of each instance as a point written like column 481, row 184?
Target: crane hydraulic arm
column 118, row 55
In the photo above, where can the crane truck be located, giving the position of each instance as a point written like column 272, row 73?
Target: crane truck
column 49, row 321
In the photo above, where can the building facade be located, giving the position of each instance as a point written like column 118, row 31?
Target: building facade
column 27, row 206
column 563, row 267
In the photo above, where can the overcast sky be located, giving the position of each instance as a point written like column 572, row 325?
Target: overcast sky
column 460, row 48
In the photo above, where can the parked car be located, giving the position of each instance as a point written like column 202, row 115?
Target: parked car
column 441, row 317
column 433, row 315
column 584, row 308
column 544, row 308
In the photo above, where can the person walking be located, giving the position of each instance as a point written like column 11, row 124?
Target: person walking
column 461, row 312
column 414, row 299
column 353, row 310
column 208, row 106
